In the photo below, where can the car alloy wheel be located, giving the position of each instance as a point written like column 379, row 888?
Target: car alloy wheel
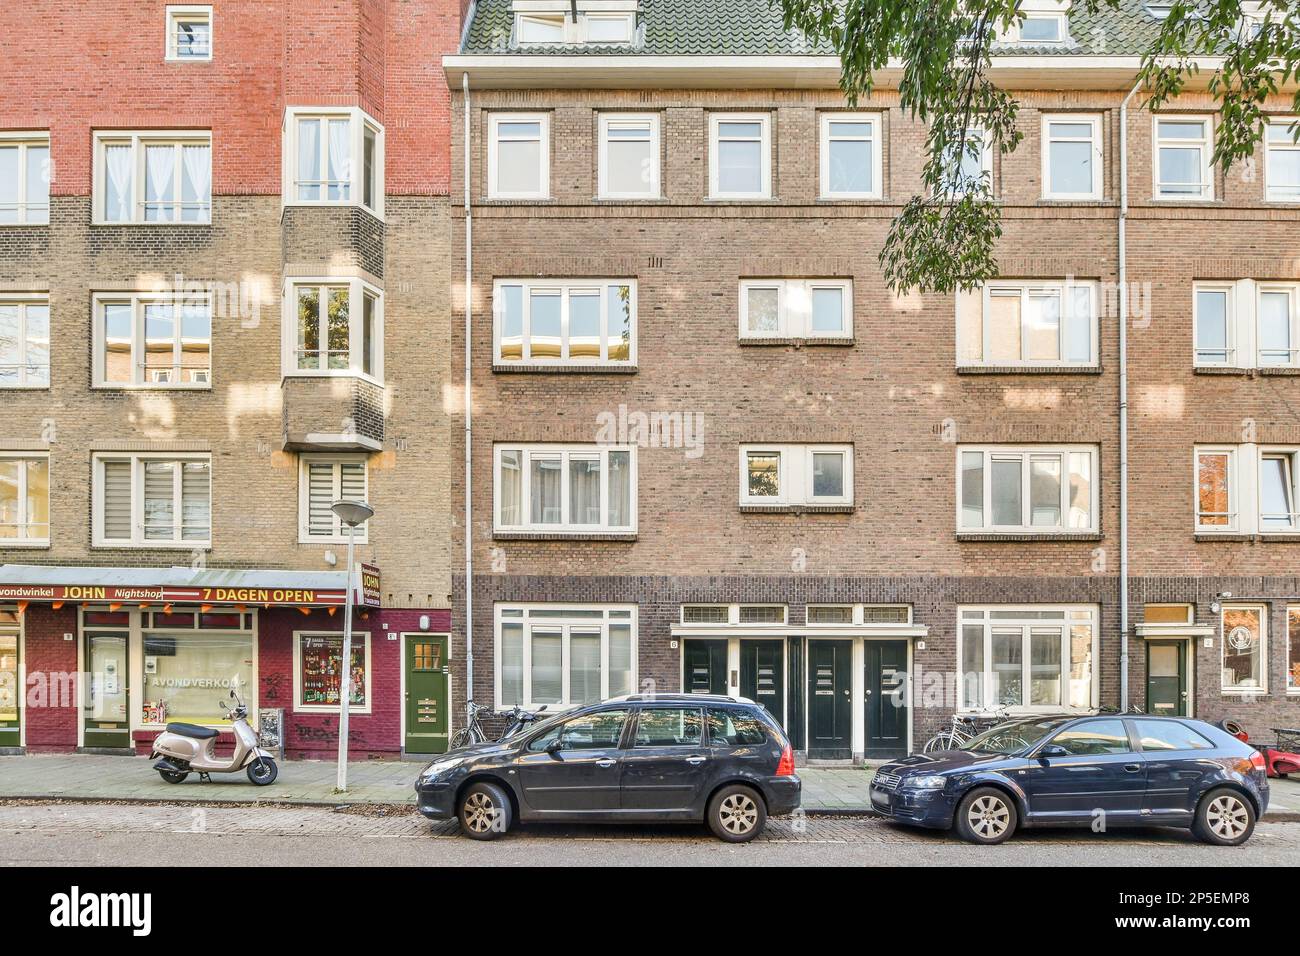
column 480, row 812
column 988, row 817
column 1227, row 817
column 738, row 813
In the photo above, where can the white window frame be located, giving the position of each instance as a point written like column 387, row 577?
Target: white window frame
column 544, row 152
column 138, row 140
column 357, row 289
column 1237, row 509
column 1095, row 140
column 358, row 637
column 794, row 308
column 650, row 120
column 1039, row 11
column 1027, row 289
column 359, row 121
column 565, row 452
column 876, row 139
column 1244, row 313
column 795, row 474
column 340, row 533
column 25, row 520
column 566, row 625
column 1026, row 453
column 585, row 19
column 1206, row 147
column 1290, row 455
column 23, row 141
column 137, row 539
column 1291, row 680
column 1292, row 291
column 23, row 301
column 1071, row 616
column 1231, row 690
column 986, row 160
column 1231, row 349
column 1288, row 145
column 137, row 301
column 176, row 15
column 564, row 289
column 765, row 154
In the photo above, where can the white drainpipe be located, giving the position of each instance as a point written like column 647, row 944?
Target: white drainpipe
column 1123, row 398
column 469, row 409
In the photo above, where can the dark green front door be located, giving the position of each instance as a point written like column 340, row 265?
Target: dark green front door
column 425, row 702
column 704, row 666
column 10, row 696
column 762, row 675
column 886, row 687
column 1166, row 679
column 829, row 714
column 107, row 719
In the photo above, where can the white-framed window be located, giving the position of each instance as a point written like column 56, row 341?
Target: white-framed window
column 591, row 28
column 152, row 500
column 24, row 499
column 147, row 340
column 318, row 672
column 1027, row 489
column 1042, row 24
column 1072, row 158
column 1278, row 471
column 976, row 163
column 883, row 616
column 1214, row 324
column 796, row 308
column 1033, row 658
column 1277, row 329
column 153, row 177
column 1247, row 489
column 628, row 162
column 519, row 156
column 189, row 33
column 333, row 326
column 608, row 27
column 781, row 475
column 24, row 179
column 322, row 480
column 563, row 655
column 1217, row 488
column 1184, row 145
column 564, row 321
column 24, row 341
column 1282, row 161
column 740, row 156
column 1246, row 324
column 1028, row 323
column 540, row 28
column 1293, row 650
column 567, row 489
column 333, row 156
column 1243, row 641
column 851, row 156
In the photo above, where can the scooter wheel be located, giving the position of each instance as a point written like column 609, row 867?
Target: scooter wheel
column 263, row 772
column 173, row 776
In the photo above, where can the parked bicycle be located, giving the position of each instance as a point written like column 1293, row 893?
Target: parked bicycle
column 967, row 727
column 473, row 733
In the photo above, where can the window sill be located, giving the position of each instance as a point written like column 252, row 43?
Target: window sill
column 104, row 387
column 13, row 544
column 24, row 388
column 1075, row 201
column 797, row 341
column 24, row 225
column 829, row 509
column 1029, row 536
column 1246, row 692
column 513, row 368
column 352, row 710
column 361, row 539
column 337, row 373
column 1223, row 370
column 564, row 536
column 1029, row 369
column 168, row 224
column 1205, row 536
column 152, row 546
column 1282, row 371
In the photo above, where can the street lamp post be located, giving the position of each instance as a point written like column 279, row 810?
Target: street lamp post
column 351, row 513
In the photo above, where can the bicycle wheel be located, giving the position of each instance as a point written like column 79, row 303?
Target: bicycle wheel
column 943, row 740
column 460, row 738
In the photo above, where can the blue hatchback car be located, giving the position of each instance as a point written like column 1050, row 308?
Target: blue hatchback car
column 1101, row 770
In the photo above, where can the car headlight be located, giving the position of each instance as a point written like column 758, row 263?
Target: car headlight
column 925, row 782
column 440, row 767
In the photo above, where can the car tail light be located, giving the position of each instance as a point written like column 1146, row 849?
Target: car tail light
column 786, row 767
column 1257, row 760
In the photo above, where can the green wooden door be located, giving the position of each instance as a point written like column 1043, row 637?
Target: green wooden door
column 107, row 702
column 425, row 704
column 762, row 675
column 1166, row 679
column 830, row 718
column 704, row 666
column 10, row 695
column 886, row 687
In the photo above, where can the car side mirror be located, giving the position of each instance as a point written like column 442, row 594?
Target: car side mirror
column 555, row 746
column 1052, row 750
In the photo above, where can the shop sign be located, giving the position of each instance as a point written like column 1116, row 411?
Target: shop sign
column 174, row 595
column 370, row 595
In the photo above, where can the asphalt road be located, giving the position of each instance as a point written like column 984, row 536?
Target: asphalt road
column 79, row 834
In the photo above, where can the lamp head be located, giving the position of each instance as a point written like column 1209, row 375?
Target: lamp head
column 352, row 513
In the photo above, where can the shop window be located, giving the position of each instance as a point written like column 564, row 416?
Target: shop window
column 318, row 672
column 1244, row 638
column 1029, row 658
column 186, row 675
column 563, row 656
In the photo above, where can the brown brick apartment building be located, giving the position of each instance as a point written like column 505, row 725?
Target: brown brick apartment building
column 224, row 280
column 711, row 451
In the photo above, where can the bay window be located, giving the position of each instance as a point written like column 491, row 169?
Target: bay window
column 1282, row 161
column 629, row 156
column 152, row 500
column 785, row 475
column 851, row 156
column 1030, row 324
column 796, row 308
column 740, row 156
column 1183, row 147
column 322, row 480
column 1244, row 648
column 565, row 322
column 570, row 489
column 24, row 499
column 333, row 326
column 1072, row 158
column 153, row 177
column 1031, row 490
column 519, row 156
column 1034, row 658
column 24, row 341
column 152, row 341
column 563, row 656
column 333, row 157
column 24, row 179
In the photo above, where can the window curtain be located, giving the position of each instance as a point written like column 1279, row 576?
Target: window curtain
column 196, row 190
column 308, row 159
column 620, row 489
column 546, row 476
column 159, row 183
column 117, row 168
column 339, row 174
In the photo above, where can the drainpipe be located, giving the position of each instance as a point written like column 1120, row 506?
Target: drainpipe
column 469, row 411
column 1123, row 398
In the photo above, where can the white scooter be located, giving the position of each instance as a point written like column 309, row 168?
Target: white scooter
column 188, row 748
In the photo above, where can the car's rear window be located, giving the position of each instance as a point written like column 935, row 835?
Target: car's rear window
column 734, row 728
column 1158, row 735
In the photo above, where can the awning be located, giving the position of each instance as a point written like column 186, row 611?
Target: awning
column 181, row 585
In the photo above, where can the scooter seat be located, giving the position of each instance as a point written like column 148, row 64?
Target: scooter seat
column 192, row 730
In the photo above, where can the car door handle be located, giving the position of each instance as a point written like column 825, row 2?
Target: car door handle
column 696, row 760
column 1132, row 767
column 606, row 762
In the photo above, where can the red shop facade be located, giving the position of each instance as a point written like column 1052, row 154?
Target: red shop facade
column 99, row 660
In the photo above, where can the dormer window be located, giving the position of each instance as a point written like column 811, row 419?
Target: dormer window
column 540, row 28
column 1043, row 28
column 544, row 22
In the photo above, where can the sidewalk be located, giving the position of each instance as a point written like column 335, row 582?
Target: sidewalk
column 837, row 790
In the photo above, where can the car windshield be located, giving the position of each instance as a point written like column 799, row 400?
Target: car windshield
column 1013, row 736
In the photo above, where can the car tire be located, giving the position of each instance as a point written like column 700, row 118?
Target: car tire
column 1224, row 817
column 986, row 815
column 736, row 814
column 485, row 812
